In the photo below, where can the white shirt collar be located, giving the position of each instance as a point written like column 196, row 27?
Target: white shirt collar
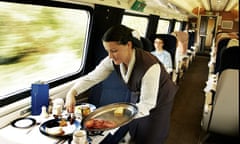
column 126, row 73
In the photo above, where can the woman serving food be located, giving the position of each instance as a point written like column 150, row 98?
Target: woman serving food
column 145, row 76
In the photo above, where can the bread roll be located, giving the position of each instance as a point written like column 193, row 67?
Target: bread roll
column 55, row 131
column 63, row 123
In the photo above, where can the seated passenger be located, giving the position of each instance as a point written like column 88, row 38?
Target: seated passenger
column 153, row 90
column 163, row 55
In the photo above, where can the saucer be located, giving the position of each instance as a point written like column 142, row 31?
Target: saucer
column 23, row 122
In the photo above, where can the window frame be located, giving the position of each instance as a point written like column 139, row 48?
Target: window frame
column 169, row 23
column 22, row 94
column 180, row 25
column 138, row 15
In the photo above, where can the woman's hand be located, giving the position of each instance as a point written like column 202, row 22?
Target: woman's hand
column 70, row 100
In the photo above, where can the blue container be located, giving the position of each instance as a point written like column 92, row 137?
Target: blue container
column 40, row 97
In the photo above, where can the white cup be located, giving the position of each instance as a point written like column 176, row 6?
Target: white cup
column 58, row 105
column 58, row 101
column 57, row 110
column 79, row 137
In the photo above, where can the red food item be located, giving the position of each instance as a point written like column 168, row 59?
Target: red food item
column 89, row 123
column 99, row 124
column 109, row 124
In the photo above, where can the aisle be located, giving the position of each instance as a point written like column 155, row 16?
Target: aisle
column 188, row 104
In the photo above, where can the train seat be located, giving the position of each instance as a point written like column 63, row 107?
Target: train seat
column 220, row 47
column 221, row 112
column 221, row 42
column 221, row 109
column 182, row 58
column 191, row 48
column 147, row 45
column 226, row 59
column 109, row 91
column 230, row 59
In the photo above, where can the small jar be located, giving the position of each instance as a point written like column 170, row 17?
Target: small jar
column 79, row 137
column 78, row 113
column 85, row 110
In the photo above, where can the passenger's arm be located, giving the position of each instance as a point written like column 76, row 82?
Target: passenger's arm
column 149, row 90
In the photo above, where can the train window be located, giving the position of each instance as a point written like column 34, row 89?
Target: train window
column 177, row 26
column 163, row 26
column 136, row 22
column 39, row 43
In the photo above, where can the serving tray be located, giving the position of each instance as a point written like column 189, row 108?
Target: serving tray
column 107, row 113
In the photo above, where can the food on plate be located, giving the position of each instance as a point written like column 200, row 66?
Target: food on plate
column 99, row 124
column 85, row 110
column 89, row 123
column 118, row 112
column 55, row 130
column 62, row 123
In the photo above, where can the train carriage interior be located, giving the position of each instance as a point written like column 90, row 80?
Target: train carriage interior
column 52, row 43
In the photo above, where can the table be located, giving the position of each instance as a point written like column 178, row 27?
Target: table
column 32, row 135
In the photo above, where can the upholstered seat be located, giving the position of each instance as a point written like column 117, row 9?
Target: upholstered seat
column 147, row 44
column 222, row 115
column 221, row 109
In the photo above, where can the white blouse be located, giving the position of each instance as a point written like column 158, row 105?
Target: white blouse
column 149, row 88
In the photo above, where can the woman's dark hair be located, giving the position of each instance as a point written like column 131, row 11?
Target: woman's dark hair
column 122, row 35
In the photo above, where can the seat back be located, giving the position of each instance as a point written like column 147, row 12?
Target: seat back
column 147, row 44
column 222, row 44
column 191, row 35
column 223, row 115
column 230, row 59
column 182, row 41
column 225, row 110
column 109, row 91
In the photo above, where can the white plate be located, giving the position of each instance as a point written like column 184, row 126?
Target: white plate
column 23, row 122
column 54, row 123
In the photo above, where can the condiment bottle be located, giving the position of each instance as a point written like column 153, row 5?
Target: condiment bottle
column 44, row 113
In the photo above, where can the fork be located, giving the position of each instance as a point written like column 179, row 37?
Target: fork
column 38, row 123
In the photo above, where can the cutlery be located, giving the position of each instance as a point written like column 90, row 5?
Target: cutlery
column 38, row 123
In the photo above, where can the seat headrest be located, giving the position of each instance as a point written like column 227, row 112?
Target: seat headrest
column 147, row 45
column 233, row 42
column 230, row 59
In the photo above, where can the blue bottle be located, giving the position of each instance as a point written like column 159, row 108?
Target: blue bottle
column 39, row 97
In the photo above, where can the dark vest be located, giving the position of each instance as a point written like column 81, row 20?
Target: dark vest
column 157, row 123
column 144, row 60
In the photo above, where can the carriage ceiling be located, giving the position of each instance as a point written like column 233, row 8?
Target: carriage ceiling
column 193, row 7
column 178, row 9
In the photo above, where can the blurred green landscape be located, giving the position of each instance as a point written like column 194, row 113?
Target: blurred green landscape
column 39, row 43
